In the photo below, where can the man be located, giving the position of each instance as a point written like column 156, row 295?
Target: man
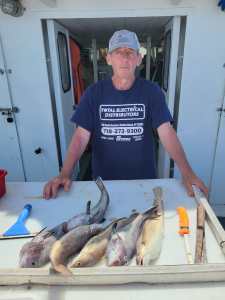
column 118, row 115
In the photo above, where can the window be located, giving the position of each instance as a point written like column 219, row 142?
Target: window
column 64, row 62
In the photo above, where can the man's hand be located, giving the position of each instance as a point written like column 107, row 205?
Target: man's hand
column 192, row 179
column 77, row 146
column 52, row 187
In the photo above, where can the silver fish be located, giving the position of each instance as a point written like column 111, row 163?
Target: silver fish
column 36, row 252
column 122, row 244
column 149, row 243
column 96, row 214
column 70, row 244
column 95, row 248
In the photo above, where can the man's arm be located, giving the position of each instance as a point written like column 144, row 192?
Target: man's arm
column 171, row 143
column 76, row 148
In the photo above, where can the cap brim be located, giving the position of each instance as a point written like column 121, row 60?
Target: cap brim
column 123, row 46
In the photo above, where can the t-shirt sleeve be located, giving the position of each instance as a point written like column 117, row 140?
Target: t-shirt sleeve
column 159, row 111
column 84, row 114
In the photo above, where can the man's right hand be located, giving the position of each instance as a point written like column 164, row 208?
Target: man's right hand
column 51, row 188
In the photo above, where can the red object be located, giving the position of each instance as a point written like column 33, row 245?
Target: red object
column 3, row 173
column 78, row 83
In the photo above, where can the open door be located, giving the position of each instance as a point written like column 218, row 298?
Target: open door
column 10, row 154
column 58, row 38
column 172, row 33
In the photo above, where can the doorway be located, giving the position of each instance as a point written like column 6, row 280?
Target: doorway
column 160, row 40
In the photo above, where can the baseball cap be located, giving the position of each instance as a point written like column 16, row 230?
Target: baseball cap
column 124, row 38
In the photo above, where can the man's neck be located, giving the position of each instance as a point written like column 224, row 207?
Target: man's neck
column 123, row 83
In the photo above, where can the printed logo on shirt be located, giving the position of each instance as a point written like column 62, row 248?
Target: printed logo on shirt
column 126, row 126
column 122, row 112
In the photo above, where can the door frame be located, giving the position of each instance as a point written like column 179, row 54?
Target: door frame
column 173, row 28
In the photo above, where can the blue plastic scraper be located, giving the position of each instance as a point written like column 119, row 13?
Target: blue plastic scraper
column 19, row 229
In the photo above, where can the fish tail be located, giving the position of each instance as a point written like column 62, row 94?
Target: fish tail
column 55, row 255
column 100, row 184
column 158, row 192
column 98, row 211
column 63, row 270
column 139, row 260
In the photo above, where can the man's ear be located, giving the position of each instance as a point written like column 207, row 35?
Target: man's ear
column 139, row 60
column 108, row 59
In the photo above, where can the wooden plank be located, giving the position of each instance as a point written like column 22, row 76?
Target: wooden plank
column 200, row 235
column 213, row 221
column 117, row 275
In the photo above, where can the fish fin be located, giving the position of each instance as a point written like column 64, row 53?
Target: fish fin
column 152, row 212
column 114, row 226
column 114, row 230
column 132, row 217
column 125, row 259
column 39, row 233
column 88, row 207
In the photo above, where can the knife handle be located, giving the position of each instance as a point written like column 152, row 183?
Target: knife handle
column 25, row 213
column 183, row 221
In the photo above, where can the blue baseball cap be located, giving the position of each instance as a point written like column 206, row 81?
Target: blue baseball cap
column 124, row 38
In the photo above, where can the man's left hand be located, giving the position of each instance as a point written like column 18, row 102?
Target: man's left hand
column 192, row 179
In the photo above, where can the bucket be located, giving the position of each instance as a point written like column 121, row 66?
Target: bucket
column 3, row 173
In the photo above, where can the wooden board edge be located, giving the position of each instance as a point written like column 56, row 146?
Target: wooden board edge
column 116, row 275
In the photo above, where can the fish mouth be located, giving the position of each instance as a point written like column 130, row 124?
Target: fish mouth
column 115, row 263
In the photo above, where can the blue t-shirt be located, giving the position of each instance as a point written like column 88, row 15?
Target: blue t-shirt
column 121, row 123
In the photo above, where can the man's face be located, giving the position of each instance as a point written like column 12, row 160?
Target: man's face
column 124, row 62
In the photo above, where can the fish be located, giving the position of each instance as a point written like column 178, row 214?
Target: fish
column 122, row 244
column 35, row 253
column 71, row 243
column 96, row 214
column 95, row 248
column 149, row 243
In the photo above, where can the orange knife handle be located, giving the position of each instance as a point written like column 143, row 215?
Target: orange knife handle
column 183, row 221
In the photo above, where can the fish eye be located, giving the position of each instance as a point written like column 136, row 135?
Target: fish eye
column 33, row 263
column 78, row 264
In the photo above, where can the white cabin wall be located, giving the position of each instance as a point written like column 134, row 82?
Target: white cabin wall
column 108, row 5
column 23, row 45
column 203, row 85
column 202, row 65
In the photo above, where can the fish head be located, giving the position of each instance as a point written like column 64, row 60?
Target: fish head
column 116, row 252
column 30, row 255
column 83, row 261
